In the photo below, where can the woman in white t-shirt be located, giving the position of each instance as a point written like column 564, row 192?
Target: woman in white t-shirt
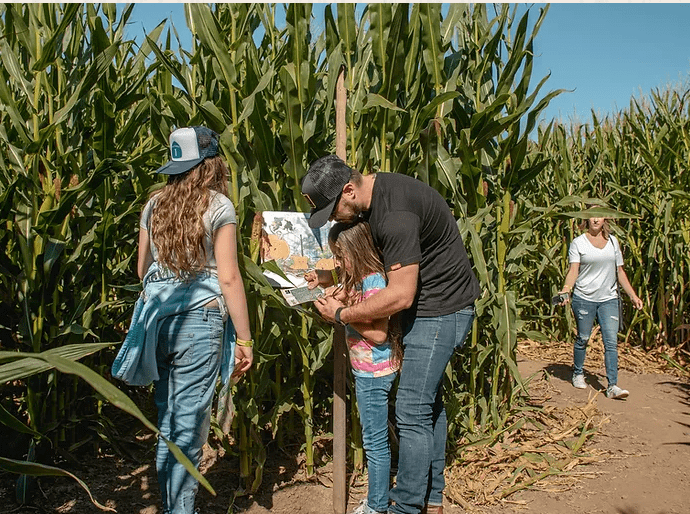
column 596, row 264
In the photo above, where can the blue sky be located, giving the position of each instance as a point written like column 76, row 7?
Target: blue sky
column 605, row 52
column 609, row 52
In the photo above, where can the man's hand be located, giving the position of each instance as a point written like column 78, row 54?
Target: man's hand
column 327, row 305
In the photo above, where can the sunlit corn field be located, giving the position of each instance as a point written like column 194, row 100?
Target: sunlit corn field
column 451, row 99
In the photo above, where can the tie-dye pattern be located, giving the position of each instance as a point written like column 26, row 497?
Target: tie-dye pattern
column 367, row 358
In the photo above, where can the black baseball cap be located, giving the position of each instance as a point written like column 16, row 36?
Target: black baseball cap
column 188, row 147
column 322, row 186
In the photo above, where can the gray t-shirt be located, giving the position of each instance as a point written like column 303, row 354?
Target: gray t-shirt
column 597, row 279
column 220, row 212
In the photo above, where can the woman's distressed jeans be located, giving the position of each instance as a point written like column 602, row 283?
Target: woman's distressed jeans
column 606, row 313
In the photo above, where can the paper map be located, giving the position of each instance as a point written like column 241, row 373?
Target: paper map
column 296, row 249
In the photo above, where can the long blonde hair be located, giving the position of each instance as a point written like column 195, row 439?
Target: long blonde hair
column 177, row 227
column 352, row 243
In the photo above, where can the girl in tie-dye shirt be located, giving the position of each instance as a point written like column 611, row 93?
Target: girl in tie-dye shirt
column 375, row 352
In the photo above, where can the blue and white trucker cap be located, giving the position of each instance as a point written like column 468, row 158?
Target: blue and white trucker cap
column 188, row 147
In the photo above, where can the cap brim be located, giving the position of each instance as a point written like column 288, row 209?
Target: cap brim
column 318, row 219
column 177, row 167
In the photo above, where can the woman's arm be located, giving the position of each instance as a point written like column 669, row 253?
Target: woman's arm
column 145, row 257
column 628, row 288
column 230, row 280
column 570, row 279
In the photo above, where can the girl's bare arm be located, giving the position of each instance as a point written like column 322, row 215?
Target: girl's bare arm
column 145, row 258
column 232, row 287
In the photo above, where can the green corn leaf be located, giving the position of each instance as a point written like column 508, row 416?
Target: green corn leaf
column 15, row 72
column 9, row 373
column 204, row 21
column 347, row 29
column 373, row 100
column 35, row 469
column 432, row 52
column 50, row 49
column 9, row 421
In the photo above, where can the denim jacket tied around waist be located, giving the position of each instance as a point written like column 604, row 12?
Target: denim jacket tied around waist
column 163, row 296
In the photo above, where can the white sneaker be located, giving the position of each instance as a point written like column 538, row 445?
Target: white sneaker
column 363, row 508
column 616, row 392
column 579, row 382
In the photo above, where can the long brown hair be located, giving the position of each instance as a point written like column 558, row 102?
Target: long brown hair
column 605, row 227
column 177, row 227
column 352, row 243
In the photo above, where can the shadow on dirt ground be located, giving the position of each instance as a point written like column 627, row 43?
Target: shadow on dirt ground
column 645, row 469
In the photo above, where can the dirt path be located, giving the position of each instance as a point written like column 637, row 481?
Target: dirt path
column 647, row 438
column 645, row 444
column 645, row 470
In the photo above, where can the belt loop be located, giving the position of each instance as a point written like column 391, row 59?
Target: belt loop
column 205, row 314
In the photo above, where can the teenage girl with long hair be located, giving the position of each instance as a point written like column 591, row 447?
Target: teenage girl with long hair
column 375, row 350
column 188, row 262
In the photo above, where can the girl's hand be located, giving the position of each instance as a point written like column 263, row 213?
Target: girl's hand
column 318, row 277
column 312, row 279
column 336, row 292
column 244, row 357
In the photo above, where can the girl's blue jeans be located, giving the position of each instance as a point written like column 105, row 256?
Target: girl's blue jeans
column 606, row 313
column 419, row 410
column 188, row 356
column 372, row 402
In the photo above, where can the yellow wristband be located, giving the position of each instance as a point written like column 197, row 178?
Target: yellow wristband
column 247, row 343
column 567, row 288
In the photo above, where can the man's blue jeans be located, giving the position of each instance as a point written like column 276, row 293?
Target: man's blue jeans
column 606, row 313
column 188, row 356
column 419, row 410
column 372, row 402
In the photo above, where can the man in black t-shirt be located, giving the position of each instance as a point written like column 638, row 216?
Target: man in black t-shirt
column 430, row 280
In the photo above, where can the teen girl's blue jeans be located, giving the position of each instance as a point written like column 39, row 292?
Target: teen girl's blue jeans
column 188, row 355
column 372, row 402
column 419, row 410
column 606, row 313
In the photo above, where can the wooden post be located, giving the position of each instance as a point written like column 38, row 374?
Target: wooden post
column 340, row 127
column 339, row 348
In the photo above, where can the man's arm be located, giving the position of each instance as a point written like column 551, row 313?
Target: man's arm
column 375, row 330
column 398, row 295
